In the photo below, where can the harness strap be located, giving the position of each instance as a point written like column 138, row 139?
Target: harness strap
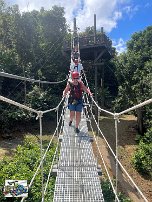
column 72, row 96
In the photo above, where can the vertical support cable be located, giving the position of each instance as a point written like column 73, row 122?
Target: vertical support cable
column 98, row 135
column 116, row 132
column 57, row 117
column 41, row 147
column 25, row 90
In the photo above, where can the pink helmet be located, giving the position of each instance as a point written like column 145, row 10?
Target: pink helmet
column 75, row 75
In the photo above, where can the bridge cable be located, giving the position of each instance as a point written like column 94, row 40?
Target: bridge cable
column 43, row 157
column 96, row 141
column 29, row 79
column 116, row 116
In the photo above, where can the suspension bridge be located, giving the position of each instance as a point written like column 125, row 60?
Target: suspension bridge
column 76, row 168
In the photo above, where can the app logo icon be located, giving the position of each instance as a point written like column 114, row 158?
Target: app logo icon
column 15, row 188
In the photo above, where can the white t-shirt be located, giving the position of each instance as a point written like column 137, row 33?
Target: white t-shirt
column 76, row 68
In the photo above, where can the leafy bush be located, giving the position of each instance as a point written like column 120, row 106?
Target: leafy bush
column 109, row 195
column 147, row 138
column 142, row 157
column 23, row 166
column 107, row 191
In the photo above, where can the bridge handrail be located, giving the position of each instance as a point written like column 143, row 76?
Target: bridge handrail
column 4, row 74
column 4, row 99
column 134, row 107
column 43, row 157
column 116, row 117
column 101, row 154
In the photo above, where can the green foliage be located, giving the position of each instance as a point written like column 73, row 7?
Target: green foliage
column 133, row 72
column 12, row 116
column 23, row 166
column 142, row 157
column 107, row 191
column 38, row 99
column 31, row 46
column 123, row 198
column 109, row 195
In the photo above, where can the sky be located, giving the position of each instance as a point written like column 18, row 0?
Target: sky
column 119, row 18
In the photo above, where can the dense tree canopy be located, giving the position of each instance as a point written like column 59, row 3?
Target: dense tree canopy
column 31, row 46
column 134, row 73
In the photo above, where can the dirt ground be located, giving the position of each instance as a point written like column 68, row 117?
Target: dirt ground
column 126, row 147
column 8, row 145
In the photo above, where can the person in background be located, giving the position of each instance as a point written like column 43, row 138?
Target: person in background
column 75, row 54
column 76, row 66
column 76, row 88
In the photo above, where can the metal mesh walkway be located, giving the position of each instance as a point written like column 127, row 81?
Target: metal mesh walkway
column 77, row 178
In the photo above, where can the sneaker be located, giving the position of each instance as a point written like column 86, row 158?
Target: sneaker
column 70, row 122
column 77, row 130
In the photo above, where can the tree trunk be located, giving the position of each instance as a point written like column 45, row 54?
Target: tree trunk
column 140, row 121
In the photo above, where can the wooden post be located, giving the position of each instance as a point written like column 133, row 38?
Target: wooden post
column 75, row 26
column 96, row 73
column 75, row 34
column 102, row 30
column 96, row 84
column 95, row 54
column 102, row 88
column 95, row 35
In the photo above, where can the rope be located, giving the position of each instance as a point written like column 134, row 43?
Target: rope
column 120, row 162
column 95, row 101
column 54, row 153
column 96, row 141
column 10, row 93
column 54, row 108
column 29, row 79
column 4, row 99
column 116, row 132
column 101, row 108
column 42, row 159
column 50, row 171
column 135, row 107
column 46, row 151
column 41, row 147
column 116, row 115
column 53, row 156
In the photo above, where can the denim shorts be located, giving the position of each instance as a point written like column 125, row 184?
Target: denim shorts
column 78, row 107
